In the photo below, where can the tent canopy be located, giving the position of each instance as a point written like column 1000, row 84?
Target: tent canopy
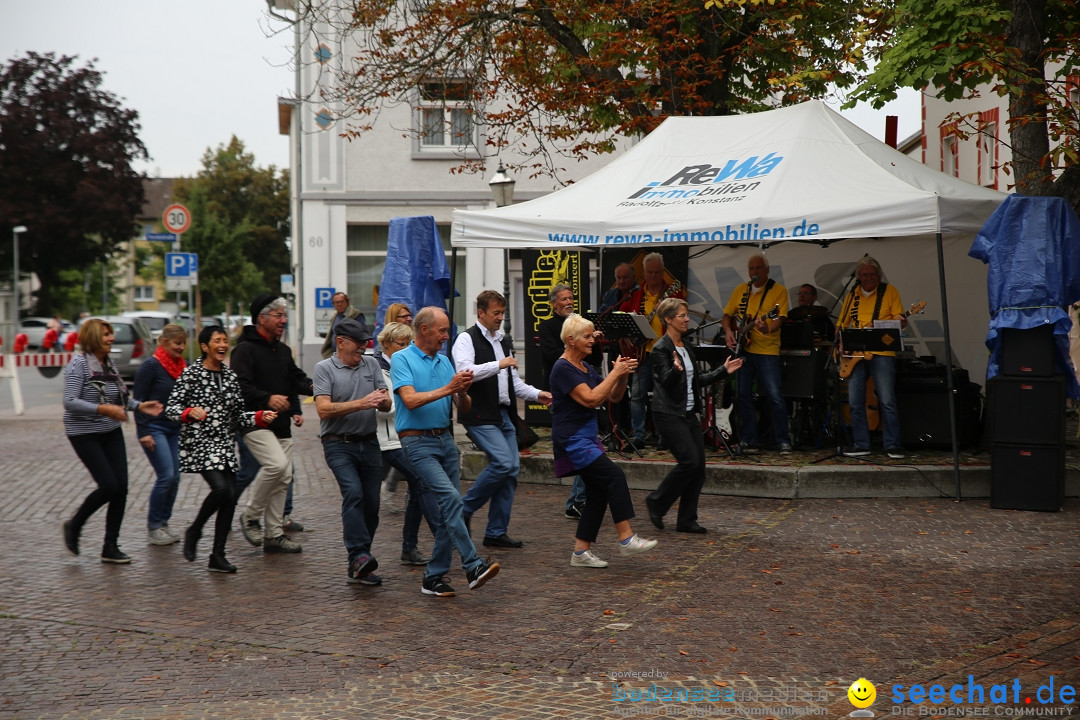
column 799, row 173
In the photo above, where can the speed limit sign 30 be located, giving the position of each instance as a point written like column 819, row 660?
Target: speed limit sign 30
column 176, row 218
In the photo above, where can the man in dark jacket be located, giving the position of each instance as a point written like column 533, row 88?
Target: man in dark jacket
column 269, row 379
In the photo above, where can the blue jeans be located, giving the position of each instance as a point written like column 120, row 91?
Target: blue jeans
column 249, row 468
column 639, row 397
column 357, row 467
column 165, row 459
column 577, row 492
column 766, row 368
column 421, row 503
column 497, row 482
column 883, row 369
column 436, row 463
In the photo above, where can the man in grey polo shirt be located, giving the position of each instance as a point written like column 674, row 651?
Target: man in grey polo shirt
column 348, row 389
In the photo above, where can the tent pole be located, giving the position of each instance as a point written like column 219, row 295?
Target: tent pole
column 948, row 368
column 453, row 292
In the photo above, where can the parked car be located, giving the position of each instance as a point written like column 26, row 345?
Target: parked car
column 133, row 344
column 35, row 328
column 154, row 319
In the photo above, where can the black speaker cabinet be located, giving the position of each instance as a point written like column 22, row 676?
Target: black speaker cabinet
column 922, row 403
column 1028, row 410
column 1027, row 477
column 802, row 373
column 1027, row 353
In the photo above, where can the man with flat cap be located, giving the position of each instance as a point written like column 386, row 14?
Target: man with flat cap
column 349, row 388
column 269, row 379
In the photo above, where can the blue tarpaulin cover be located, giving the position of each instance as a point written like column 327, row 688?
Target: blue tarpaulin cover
column 1032, row 248
column 416, row 271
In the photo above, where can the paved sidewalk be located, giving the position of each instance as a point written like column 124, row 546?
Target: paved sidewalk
column 779, row 607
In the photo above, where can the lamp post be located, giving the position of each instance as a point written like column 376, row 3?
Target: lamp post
column 15, row 233
column 502, row 187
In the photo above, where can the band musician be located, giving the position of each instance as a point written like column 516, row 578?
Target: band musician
column 871, row 300
column 809, row 311
column 646, row 300
column 752, row 319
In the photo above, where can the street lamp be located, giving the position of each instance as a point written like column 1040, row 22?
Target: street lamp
column 15, row 233
column 502, row 187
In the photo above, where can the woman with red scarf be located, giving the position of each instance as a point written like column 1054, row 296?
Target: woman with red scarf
column 159, row 436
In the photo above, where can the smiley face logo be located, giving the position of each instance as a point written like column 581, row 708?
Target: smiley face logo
column 862, row 693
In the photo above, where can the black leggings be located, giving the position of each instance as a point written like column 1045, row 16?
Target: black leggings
column 105, row 457
column 222, row 500
column 605, row 485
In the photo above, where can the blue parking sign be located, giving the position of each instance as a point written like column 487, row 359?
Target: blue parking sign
column 324, row 298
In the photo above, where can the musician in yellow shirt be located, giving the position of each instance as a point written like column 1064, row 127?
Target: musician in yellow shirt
column 869, row 300
column 645, row 300
column 752, row 319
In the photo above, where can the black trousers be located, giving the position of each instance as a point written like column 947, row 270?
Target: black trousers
column 221, row 500
column 683, row 437
column 605, row 484
column 105, row 457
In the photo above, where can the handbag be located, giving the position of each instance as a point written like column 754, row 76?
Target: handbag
column 526, row 436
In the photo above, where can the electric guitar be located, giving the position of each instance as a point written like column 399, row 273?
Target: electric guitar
column 746, row 324
column 848, row 361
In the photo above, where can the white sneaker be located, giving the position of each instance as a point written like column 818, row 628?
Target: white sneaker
column 175, row 535
column 636, row 545
column 160, row 536
column 587, row 559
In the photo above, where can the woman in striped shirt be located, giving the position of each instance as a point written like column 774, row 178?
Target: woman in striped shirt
column 96, row 402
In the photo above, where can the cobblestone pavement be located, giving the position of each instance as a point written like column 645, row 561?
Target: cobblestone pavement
column 778, row 608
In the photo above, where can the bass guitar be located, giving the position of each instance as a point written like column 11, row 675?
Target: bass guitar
column 848, row 360
column 746, row 324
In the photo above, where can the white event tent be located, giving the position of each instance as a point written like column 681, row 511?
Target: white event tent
column 800, row 173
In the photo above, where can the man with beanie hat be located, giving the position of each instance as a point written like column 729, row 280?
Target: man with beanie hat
column 269, row 379
column 349, row 389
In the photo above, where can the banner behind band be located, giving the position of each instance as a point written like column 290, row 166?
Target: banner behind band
column 542, row 270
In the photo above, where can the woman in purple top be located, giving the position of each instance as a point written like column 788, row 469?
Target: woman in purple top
column 577, row 391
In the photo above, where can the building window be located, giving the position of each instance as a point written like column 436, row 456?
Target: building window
column 950, row 150
column 988, row 144
column 443, row 115
column 144, row 293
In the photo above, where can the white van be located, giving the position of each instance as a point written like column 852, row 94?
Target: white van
column 154, row 319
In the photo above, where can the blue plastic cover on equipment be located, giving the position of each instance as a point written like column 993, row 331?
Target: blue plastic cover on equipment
column 1032, row 248
column 416, row 271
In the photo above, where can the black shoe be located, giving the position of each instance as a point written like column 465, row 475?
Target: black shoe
column 112, row 554
column 71, row 537
column 437, row 586
column 654, row 517
column 218, row 563
column 503, row 541
column 695, row 528
column 191, row 542
column 653, row 440
column 573, row 512
column 481, row 574
column 855, row 451
column 361, row 565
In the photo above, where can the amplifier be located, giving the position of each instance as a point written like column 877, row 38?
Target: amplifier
column 1027, row 477
column 802, row 373
column 1027, row 409
column 922, row 404
column 1027, row 353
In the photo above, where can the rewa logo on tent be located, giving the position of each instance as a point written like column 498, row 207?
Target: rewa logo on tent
column 706, row 174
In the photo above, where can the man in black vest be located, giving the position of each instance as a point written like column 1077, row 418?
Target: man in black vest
column 496, row 386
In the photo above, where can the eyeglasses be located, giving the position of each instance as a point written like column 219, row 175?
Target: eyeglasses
column 683, row 316
column 404, row 315
column 400, row 343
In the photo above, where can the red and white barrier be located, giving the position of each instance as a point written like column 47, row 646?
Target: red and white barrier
column 10, row 364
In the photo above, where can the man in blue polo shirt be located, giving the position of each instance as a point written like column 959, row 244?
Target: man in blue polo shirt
column 425, row 381
column 349, row 388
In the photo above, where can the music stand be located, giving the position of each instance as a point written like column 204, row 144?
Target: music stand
column 620, row 325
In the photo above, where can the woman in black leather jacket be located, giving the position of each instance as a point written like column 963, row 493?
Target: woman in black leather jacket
column 677, row 412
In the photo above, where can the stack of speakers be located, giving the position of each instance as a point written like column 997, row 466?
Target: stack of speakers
column 1027, row 416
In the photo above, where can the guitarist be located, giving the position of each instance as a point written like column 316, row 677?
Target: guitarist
column 646, row 300
column 746, row 315
column 869, row 300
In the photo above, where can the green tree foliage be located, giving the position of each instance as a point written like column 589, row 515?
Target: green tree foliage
column 1022, row 49
column 66, row 153
column 239, row 226
column 567, row 77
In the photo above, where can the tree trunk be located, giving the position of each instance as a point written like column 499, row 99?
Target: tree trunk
column 1027, row 103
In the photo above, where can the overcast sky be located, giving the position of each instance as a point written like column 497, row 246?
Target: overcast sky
column 201, row 71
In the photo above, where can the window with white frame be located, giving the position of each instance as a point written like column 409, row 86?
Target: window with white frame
column 443, row 115
column 950, row 149
column 144, row 293
column 987, row 144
